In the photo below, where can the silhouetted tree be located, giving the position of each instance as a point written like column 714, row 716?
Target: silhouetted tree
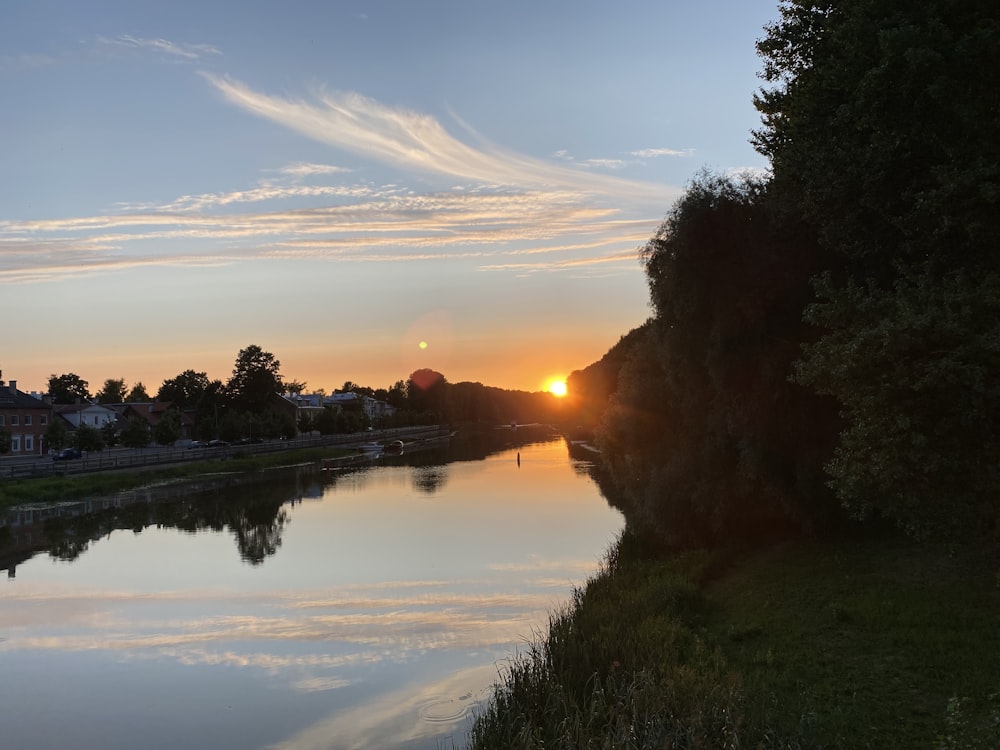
column 138, row 394
column 112, row 392
column 185, row 391
column 256, row 378
column 66, row 389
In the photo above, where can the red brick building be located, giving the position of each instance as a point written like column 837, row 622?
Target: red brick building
column 26, row 417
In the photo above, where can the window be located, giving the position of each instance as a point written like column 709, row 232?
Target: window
column 29, row 443
column 3, row 418
column 45, row 419
column 27, row 419
column 14, row 419
column 15, row 444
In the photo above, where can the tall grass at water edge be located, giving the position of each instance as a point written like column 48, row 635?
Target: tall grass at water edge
column 872, row 644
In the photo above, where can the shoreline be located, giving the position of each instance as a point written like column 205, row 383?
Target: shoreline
column 877, row 642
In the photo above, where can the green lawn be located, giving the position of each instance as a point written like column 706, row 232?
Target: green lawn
column 879, row 643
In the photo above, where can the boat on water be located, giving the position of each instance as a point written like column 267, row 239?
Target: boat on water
column 372, row 447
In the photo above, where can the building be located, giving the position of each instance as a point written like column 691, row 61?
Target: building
column 372, row 408
column 27, row 418
column 85, row 412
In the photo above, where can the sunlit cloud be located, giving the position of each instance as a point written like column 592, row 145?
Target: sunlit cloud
column 504, row 204
column 302, row 169
column 358, row 222
column 414, row 141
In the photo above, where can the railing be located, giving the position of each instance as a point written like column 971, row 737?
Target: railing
column 120, row 458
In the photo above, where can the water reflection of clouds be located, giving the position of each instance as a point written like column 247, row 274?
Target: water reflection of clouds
column 361, row 630
column 400, row 717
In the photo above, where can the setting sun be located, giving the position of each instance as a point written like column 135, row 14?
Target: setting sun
column 557, row 388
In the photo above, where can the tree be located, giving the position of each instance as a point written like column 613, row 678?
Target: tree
column 56, row 434
column 68, row 388
column 705, row 438
column 88, row 439
column 396, row 395
column 138, row 394
column 113, row 392
column 168, row 429
column 135, row 434
column 914, row 369
column 109, row 431
column 255, row 380
column 186, row 390
column 294, row 387
column 882, row 132
column 6, row 439
column 326, row 422
column 881, row 128
column 426, row 392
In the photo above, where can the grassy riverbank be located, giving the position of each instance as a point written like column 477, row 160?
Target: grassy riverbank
column 80, row 486
column 878, row 643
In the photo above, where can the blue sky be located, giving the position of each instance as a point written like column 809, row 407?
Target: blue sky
column 338, row 182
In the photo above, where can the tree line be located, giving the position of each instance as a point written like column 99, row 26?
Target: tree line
column 244, row 407
column 825, row 340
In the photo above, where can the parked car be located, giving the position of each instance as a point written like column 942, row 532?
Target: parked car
column 195, row 444
column 67, row 454
column 217, row 444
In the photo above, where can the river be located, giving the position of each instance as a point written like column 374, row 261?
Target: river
column 299, row 608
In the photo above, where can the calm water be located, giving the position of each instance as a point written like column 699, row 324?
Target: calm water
column 305, row 609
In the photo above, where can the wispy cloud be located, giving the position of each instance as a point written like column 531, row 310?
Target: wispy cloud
column 504, row 204
column 415, row 142
column 26, row 61
column 654, row 153
column 302, row 169
column 177, row 50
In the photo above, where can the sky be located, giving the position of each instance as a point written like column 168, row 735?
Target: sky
column 362, row 189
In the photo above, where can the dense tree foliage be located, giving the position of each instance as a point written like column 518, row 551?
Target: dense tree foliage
column 705, row 436
column 136, row 434
column 56, row 434
column 883, row 128
column 138, row 394
column 185, row 391
column 112, row 392
column 882, row 124
column 87, row 438
column 255, row 380
column 588, row 390
column 68, row 388
column 6, row 439
column 169, row 427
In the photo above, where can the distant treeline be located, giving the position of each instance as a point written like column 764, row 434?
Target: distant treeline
column 825, row 342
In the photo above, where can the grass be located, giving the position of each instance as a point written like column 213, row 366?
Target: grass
column 875, row 643
column 80, row 486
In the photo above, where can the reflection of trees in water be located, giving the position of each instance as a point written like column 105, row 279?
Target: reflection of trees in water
column 429, row 479
column 250, row 507
column 257, row 535
column 588, row 464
